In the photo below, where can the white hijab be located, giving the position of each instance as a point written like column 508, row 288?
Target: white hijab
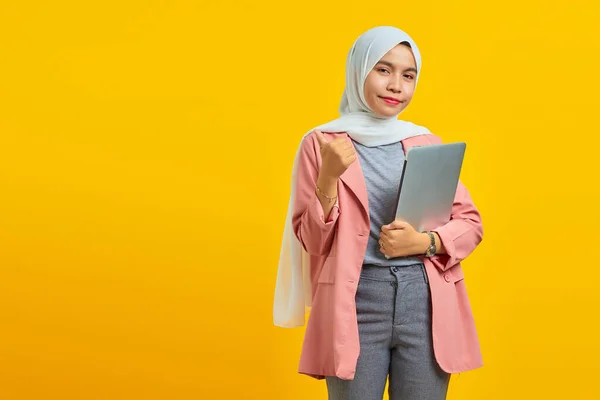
column 293, row 295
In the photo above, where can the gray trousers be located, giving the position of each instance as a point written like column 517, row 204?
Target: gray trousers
column 393, row 307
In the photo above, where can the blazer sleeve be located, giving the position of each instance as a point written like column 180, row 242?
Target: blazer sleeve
column 462, row 234
column 308, row 220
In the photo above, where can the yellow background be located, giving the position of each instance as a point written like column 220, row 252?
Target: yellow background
column 145, row 156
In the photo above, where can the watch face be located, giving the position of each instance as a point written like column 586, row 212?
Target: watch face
column 431, row 250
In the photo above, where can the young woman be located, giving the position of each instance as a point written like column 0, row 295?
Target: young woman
column 405, row 316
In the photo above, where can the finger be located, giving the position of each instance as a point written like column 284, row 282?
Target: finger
column 350, row 159
column 320, row 138
column 339, row 144
column 386, row 228
column 384, row 233
column 348, row 153
column 398, row 224
column 346, row 146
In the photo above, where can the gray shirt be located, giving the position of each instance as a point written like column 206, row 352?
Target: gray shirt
column 382, row 167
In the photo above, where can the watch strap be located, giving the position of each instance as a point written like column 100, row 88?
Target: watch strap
column 432, row 248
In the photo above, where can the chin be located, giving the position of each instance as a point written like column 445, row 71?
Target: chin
column 384, row 110
column 387, row 112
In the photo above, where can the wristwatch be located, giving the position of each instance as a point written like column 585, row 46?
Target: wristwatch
column 432, row 248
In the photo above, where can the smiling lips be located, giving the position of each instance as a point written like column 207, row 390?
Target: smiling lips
column 391, row 100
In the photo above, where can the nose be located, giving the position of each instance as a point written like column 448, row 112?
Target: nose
column 395, row 83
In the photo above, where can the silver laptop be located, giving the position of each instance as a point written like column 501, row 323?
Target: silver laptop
column 428, row 184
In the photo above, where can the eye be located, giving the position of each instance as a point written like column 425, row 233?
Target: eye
column 383, row 70
column 409, row 76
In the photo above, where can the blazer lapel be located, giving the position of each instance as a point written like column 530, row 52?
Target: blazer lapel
column 353, row 178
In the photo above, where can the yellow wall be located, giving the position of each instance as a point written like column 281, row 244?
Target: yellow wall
column 145, row 155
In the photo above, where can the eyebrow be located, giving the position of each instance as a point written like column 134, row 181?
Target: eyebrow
column 389, row 64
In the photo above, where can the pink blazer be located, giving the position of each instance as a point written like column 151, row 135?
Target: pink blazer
column 337, row 248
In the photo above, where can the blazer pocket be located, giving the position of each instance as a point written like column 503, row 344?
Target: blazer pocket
column 327, row 274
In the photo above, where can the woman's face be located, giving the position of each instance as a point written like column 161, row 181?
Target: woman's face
column 390, row 85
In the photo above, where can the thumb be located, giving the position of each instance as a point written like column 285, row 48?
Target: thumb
column 320, row 138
